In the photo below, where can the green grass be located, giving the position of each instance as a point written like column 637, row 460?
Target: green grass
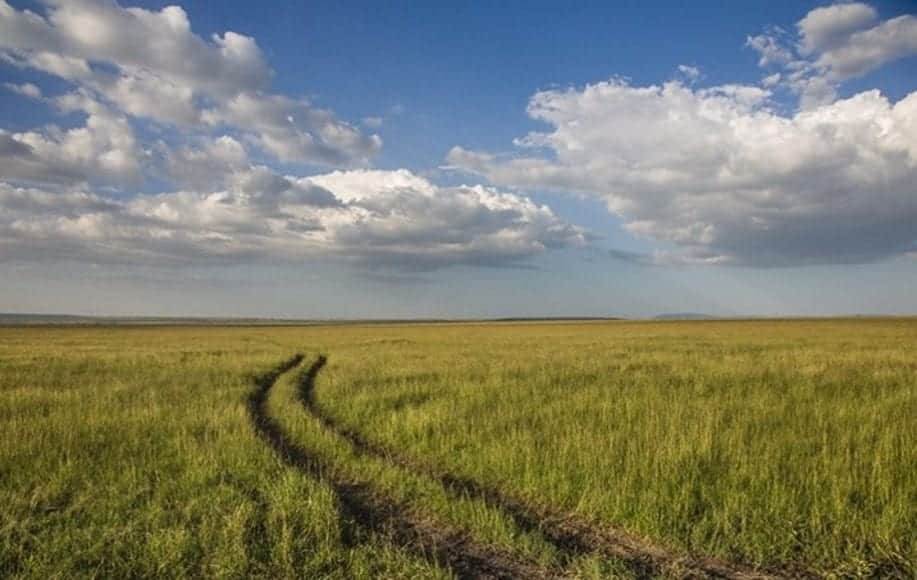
column 419, row 493
column 129, row 452
column 774, row 443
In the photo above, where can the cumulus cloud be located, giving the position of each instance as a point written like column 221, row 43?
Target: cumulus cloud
column 720, row 177
column 388, row 219
column 828, row 27
column 104, row 150
column 208, row 164
column 691, row 74
column 865, row 50
column 282, row 125
column 151, row 65
column 25, row 89
column 211, row 125
column 832, row 44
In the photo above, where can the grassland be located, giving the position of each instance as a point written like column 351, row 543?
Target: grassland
column 784, row 446
column 129, row 453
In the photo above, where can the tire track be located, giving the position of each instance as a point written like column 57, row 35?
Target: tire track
column 571, row 535
column 363, row 509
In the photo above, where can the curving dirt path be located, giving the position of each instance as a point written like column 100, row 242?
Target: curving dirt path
column 572, row 535
column 362, row 508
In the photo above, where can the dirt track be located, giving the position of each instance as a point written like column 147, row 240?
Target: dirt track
column 572, row 535
column 361, row 507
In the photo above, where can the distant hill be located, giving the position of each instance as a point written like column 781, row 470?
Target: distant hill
column 7, row 318
column 552, row 319
column 63, row 319
column 684, row 316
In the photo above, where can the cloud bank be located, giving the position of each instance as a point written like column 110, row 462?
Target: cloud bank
column 713, row 174
column 70, row 192
column 149, row 65
column 378, row 219
column 718, row 175
column 832, row 44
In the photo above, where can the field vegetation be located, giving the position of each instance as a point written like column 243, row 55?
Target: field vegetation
column 590, row 449
column 129, row 453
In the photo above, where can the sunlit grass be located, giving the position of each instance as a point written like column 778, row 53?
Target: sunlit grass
column 775, row 443
column 129, row 452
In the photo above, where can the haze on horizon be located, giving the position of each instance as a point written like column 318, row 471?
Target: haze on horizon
column 369, row 161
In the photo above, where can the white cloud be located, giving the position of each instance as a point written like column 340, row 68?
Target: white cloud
column 869, row 49
column 367, row 184
column 771, row 81
column 720, row 177
column 206, row 106
column 146, row 95
column 210, row 164
column 135, row 39
column 103, row 150
column 66, row 67
column 690, row 73
column 830, row 26
column 375, row 218
column 282, row 125
column 834, row 43
column 771, row 48
column 150, row 65
column 25, row 89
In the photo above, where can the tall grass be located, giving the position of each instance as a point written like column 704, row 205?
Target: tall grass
column 128, row 453
column 776, row 443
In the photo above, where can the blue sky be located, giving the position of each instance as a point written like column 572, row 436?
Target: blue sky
column 422, row 160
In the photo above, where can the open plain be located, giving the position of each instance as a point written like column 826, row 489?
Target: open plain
column 735, row 449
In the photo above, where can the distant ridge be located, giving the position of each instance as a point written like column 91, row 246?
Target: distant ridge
column 27, row 319
column 7, row 318
column 551, row 318
column 31, row 319
column 684, row 316
column 76, row 319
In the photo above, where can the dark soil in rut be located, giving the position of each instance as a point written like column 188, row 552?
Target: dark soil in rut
column 572, row 535
column 363, row 508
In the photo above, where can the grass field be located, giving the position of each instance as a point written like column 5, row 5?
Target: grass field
column 613, row 449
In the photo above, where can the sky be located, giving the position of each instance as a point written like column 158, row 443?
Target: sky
column 418, row 160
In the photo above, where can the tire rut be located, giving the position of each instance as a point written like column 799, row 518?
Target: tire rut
column 571, row 535
column 361, row 508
